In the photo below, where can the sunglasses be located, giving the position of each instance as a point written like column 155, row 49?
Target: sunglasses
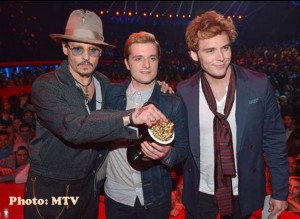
column 78, row 51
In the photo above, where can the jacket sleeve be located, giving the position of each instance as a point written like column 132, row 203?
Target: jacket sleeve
column 274, row 143
column 61, row 110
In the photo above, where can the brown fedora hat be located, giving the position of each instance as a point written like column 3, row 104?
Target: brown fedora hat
column 83, row 26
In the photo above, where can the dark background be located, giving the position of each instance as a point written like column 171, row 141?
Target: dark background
column 25, row 25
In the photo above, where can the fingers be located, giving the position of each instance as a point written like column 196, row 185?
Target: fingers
column 6, row 171
column 165, row 88
column 171, row 91
column 276, row 207
column 148, row 115
column 155, row 151
column 273, row 215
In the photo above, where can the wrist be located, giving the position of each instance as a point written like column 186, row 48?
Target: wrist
column 131, row 120
column 126, row 120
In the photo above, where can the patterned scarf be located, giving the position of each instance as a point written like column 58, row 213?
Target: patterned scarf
column 224, row 158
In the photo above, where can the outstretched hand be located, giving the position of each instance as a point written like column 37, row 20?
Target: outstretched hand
column 148, row 115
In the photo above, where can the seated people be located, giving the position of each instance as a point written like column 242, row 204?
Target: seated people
column 293, row 167
column 292, row 135
column 25, row 134
column 294, row 194
column 5, row 147
column 13, row 164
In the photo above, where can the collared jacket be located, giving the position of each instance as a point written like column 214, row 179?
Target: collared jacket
column 260, row 131
column 69, row 139
column 156, row 181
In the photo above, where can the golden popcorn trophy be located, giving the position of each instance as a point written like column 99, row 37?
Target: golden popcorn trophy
column 162, row 133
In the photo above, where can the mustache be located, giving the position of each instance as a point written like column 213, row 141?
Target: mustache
column 86, row 62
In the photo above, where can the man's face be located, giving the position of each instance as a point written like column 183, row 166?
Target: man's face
column 28, row 116
column 292, row 165
column 4, row 141
column 214, row 55
column 288, row 121
column 25, row 133
column 142, row 64
column 16, row 123
column 21, row 157
column 81, row 65
column 294, row 189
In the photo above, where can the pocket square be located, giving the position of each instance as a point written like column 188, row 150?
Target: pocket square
column 253, row 101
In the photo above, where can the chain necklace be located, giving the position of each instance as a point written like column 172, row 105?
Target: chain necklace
column 84, row 88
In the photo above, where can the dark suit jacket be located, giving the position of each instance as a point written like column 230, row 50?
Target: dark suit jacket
column 259, row 129
column 67, row 135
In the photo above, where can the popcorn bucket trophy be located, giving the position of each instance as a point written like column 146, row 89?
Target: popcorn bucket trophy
column 162, row 133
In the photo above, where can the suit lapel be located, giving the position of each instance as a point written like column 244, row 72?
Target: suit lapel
column 192, row 99
column 242, row 97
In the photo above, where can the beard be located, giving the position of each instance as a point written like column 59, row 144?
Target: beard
column 85, row 69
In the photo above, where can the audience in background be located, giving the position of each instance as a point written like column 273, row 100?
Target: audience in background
column 294, row 194
column 5, row 147
column 281, row 63
column 13, row 164
column 293, row 167
column 292, row 135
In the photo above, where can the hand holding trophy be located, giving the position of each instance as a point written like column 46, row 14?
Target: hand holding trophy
column 162, row 133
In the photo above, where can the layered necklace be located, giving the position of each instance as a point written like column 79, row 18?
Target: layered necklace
column 84, row 88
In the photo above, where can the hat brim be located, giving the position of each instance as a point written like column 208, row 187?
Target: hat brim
column 60, row 38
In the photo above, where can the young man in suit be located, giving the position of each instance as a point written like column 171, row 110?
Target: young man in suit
column 132, row 192
column 233, row 120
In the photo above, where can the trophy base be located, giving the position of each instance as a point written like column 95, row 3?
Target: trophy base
column 137, row 159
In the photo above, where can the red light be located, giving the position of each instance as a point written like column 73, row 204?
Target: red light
column 101, row 12
column 130, row 13
column 117, row 13
column 157, row 15
column 170, row 15
column 144, row 14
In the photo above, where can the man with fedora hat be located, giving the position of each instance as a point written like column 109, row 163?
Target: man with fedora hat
column 72, row 126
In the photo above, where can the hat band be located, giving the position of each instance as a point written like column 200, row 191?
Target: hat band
column 83, row 33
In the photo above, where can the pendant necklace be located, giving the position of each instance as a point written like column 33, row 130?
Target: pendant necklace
column 84, row 88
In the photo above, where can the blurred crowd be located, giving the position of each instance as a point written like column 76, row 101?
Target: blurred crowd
column 280, row 62
column 17, row 129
